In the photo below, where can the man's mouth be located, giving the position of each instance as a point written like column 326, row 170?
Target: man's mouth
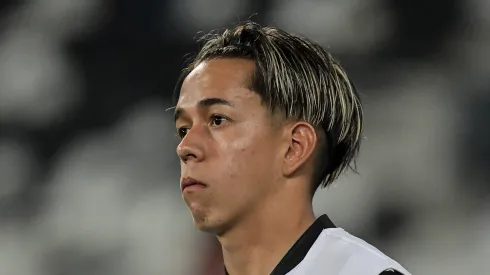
column 189, row 183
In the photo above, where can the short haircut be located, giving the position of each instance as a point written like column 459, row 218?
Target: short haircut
column 299, row 78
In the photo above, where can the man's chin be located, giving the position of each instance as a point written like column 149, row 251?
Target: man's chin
column 205, row 225
column 209, row 225
column 206, row 220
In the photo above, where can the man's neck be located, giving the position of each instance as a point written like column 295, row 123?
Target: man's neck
column 261, row 240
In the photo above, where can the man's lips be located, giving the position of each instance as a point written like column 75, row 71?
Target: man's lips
column 190, row 182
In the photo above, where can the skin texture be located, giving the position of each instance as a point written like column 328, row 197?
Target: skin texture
column 257, row 166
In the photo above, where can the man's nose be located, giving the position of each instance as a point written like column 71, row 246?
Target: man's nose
column 191, row 147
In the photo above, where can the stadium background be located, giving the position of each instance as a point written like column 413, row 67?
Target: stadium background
column 88, row 170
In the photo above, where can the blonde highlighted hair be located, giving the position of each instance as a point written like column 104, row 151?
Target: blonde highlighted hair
column 299, row 78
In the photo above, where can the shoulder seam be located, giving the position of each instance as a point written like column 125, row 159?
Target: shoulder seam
column 375, row 252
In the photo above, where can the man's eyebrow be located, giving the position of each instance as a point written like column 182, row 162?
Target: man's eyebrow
column 204, row 104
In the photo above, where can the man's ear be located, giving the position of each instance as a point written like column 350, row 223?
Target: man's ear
column 302, row 142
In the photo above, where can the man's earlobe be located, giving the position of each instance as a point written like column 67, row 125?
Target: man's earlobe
column 302, row 143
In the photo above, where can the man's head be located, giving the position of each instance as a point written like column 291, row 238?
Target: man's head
column 261, row 111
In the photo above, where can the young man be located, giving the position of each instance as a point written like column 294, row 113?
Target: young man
column 266, row 118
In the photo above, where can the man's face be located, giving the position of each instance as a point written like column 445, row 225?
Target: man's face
column 227, row 143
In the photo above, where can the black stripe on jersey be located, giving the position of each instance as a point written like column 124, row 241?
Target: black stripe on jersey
column 299, row 250
column 390, row 272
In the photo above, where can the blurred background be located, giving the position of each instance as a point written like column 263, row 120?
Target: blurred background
column 89, row 178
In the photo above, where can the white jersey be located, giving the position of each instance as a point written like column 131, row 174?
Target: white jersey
column 327, row 250
column 336, row 252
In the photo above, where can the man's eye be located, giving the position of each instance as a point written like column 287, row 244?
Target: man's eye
column 182, row 132
column 218, row 120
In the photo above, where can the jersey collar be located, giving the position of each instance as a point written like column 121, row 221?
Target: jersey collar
column 299, row 250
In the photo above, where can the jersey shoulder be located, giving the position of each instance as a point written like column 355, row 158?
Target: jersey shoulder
column 349, row 254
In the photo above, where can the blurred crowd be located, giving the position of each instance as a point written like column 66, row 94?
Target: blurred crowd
column 89, row 178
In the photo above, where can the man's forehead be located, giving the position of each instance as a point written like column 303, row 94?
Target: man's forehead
column 220, row 78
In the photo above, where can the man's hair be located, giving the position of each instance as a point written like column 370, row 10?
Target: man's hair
column 300, row 79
